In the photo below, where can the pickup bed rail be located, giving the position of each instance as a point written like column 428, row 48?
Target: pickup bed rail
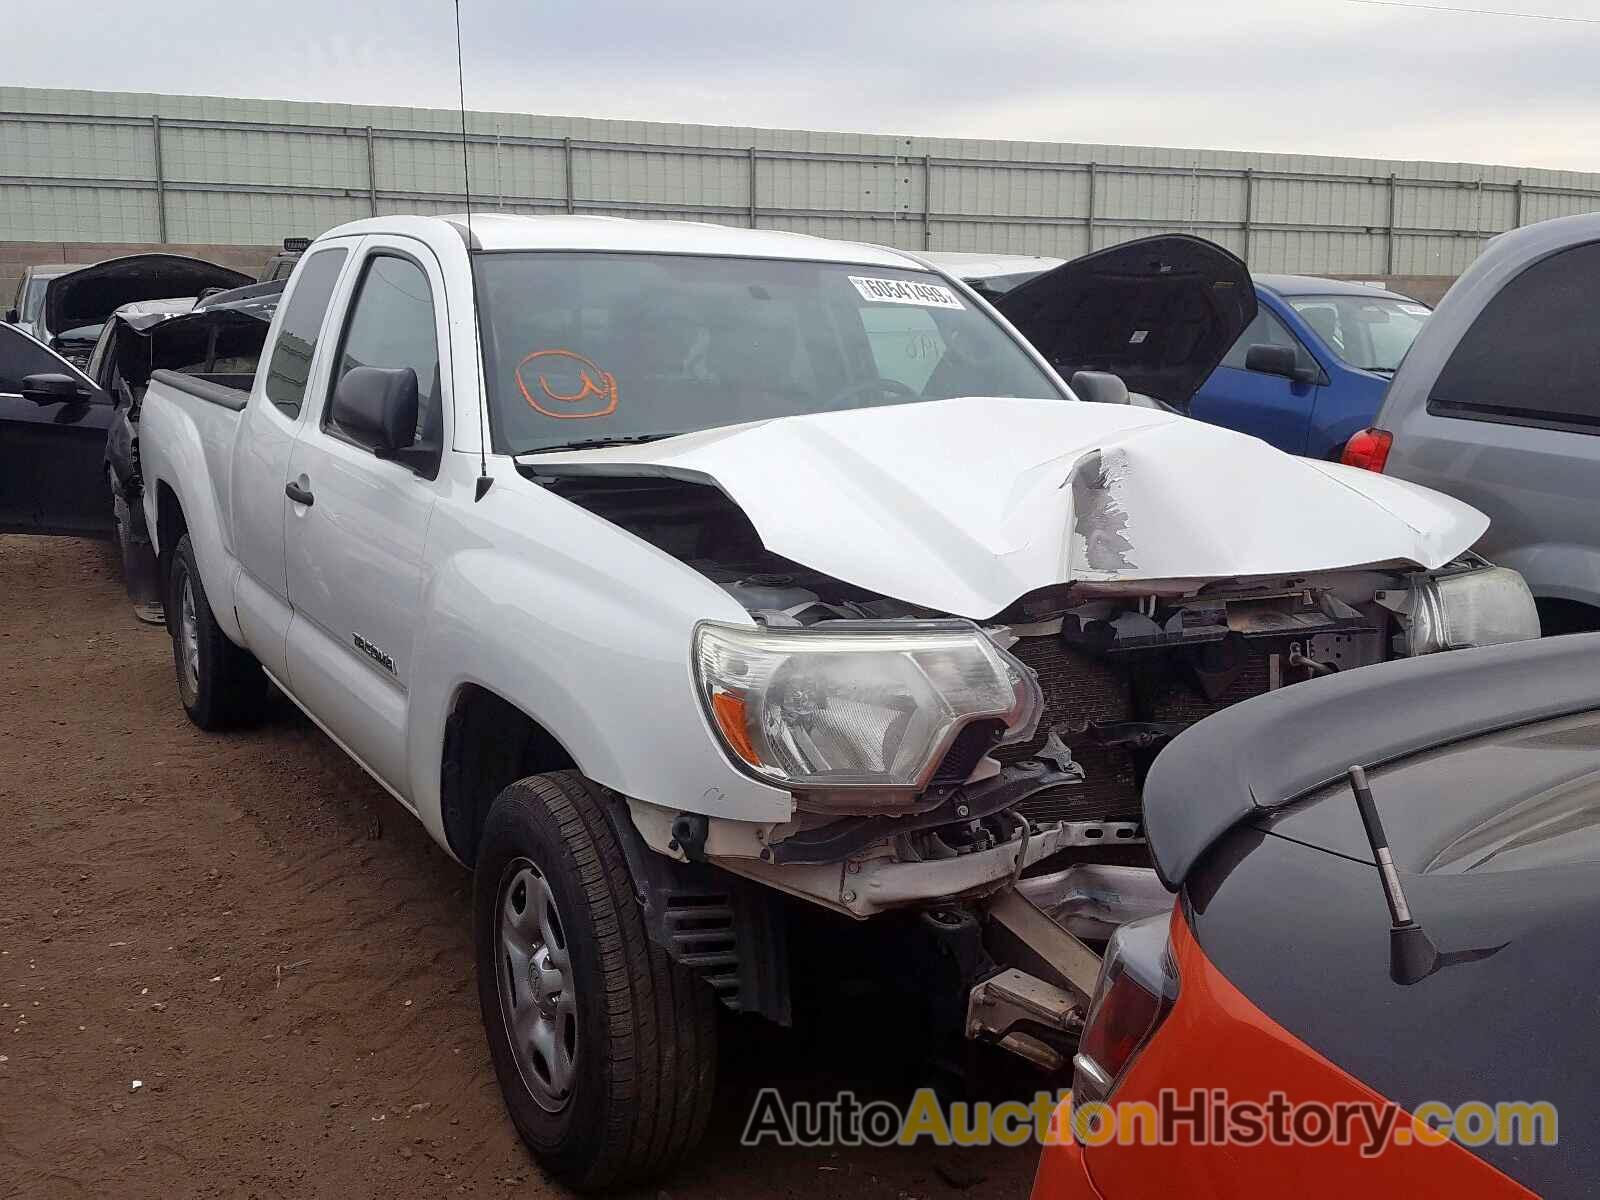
column 204, row 389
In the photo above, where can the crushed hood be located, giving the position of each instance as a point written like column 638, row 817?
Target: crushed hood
column 90, row 296
column 965, row 505
column 1160, row 312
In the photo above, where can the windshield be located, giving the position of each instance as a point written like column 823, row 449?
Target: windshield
column 589, row 348
column 1369, row 332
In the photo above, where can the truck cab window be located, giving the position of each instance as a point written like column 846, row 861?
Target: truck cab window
column 297, row 338
column 392, row 325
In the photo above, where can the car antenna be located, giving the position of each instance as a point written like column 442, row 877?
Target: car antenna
column 485, row 482
column 1412, row 954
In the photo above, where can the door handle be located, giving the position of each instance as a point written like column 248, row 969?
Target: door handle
column 298, row 494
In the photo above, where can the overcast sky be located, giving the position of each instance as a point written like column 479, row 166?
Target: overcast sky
column 1310, row 76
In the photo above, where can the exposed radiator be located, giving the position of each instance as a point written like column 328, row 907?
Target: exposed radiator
column 1080, row 687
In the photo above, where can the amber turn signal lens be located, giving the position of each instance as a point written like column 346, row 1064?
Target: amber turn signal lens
column 730, row 714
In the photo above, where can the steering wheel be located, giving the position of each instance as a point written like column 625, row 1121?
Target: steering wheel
column 893, row 386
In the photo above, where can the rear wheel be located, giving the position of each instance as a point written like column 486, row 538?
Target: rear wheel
column 605, row 1051
column 220, row 684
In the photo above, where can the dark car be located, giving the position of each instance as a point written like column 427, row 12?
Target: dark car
column 1425, row 954
column 69, row 435
column 53, row 423
column 77, row 304
column 217, row 338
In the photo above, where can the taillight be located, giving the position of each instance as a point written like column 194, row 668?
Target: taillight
column 1368, row 449
column 1137, row 987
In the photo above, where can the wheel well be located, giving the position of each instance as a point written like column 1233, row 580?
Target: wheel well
column 488, row 743
column 1566, row 616
column 170, row 526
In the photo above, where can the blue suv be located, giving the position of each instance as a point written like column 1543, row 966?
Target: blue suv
column 1311, row 369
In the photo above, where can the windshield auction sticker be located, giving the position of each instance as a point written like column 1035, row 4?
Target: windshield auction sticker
column 904, row 291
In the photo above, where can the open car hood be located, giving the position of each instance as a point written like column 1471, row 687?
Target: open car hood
column 964, row 506
column 90, row 296
column 1160, row 312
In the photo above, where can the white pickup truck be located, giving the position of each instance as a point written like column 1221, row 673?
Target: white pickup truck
column 695, row 585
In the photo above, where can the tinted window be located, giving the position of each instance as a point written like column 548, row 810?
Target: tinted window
column 392, row 325
column 297, row 336
column 21, row 356
column 1265, row 330
column 1531, row 357
column 595, row 345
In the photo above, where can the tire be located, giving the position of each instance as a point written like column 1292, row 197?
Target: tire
column 634, row 1036
column 220, row 684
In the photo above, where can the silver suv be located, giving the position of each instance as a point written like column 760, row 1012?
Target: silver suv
column 1498, row 404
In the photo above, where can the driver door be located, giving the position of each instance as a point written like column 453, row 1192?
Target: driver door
column 52, row 456
column 1274, row 408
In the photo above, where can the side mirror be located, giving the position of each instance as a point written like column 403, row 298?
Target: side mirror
column 1099, row 387
column 12, row 316
column 1278, row 360
column 377, row 406
column 56, row 389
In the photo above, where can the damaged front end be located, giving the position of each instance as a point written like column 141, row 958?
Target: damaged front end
column 937, row 762
column 1121, row 667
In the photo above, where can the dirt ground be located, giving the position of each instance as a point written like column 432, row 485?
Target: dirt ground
column 255, row 931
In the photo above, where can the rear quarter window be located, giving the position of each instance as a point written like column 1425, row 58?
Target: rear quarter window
column 290, row 368
column 1531, row 357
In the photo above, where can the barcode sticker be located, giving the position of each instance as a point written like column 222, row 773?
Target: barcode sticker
column 905, row 291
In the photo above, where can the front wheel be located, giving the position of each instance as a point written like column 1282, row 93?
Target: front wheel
column 605, row 1051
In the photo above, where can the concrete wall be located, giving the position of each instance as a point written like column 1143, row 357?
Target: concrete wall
column 14, row 256
column 125, row 167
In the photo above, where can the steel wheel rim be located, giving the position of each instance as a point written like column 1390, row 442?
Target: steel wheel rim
column 189, row 637
column 533, row 977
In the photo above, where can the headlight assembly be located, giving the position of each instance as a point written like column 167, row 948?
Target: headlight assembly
column 1481, row 607
column 874, row 707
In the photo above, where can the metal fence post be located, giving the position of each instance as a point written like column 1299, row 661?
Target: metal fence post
column 372, row 176
column 161, row 181
column 927, row 202
column 1388, row 241
column 1088, row 222
column 566, row 168
column 1516, row 199
column 1249, row 202
column 752, row 197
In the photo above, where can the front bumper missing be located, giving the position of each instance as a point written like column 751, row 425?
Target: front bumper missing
column 1007, row 789
column 863, row 887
